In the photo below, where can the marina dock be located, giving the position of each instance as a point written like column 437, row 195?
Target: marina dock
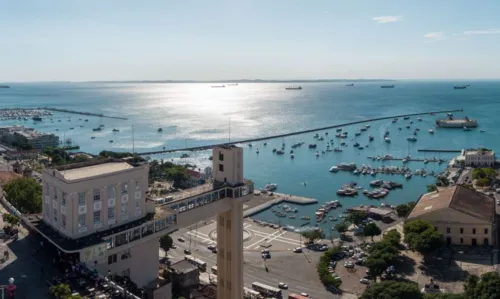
column 206, row 147
column 426, row 150
column 81, row 113
column 277, row 199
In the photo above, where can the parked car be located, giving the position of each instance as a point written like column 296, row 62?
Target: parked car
column 181, row 239
column 283, row 285
column 364, row 281
column 298, row 250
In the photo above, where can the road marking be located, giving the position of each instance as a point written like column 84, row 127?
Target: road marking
column 277, row 236
column 260, row 232
column 200, row 237
column 263, row 239
column 281, row 239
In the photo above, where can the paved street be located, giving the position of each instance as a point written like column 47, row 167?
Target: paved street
column 282, row 266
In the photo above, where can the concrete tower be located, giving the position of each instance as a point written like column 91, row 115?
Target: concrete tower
column 228, row 170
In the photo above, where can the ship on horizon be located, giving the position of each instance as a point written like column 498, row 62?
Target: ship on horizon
column 460, row 86
column 387, row 86
column 218, row 86
column 294, row 88
column 352, row 84
column 4, row 86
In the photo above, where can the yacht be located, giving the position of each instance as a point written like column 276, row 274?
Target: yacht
column 412, row 138
column 93, row 137
column 408, row 176
column 37, row 118
column 337, row 149
column 116, row 130
column 357, row 133
column 431, row 131
column 97, row 129
column 71, row 128
column 271, row 187
column 481, row 131
column 387, row 139
column 419, row 119
column 355, row 144
column 370, row 138
column 160, row 130
column 387, row 86
column 352, row 84
column 294, row 88
column 334, row 169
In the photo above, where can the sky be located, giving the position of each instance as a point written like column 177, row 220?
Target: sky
column 75, row 40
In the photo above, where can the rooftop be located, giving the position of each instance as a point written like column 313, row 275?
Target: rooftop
column 69, row 244
column 183, row 267
column 480, row 152
column 459, row 198
column 94, row 170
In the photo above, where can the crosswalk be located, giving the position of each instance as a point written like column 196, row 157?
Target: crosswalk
column 260, row 238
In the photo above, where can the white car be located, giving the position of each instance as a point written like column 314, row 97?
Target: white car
column 282, row 285
column 304, row 294
column 349, row 265
column 211, row 247
column 297, row 250
column 364, row 281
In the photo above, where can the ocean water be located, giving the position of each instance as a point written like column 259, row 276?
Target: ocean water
column 195, row 114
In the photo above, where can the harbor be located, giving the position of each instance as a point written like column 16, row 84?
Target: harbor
column 81, row 113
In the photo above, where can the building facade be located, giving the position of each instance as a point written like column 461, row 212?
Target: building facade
column 21, row 136
column 462, row 215
column 479, row 157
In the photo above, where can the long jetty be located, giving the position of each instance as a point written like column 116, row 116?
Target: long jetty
column 81, row 113
column 437, row 150
column 206, row 147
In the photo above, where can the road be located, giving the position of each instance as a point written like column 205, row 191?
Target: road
column 282, row 268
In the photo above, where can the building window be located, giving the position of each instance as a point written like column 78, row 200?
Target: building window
column 124, row 210
column 461, row 240
column 55, row 215
column 448, row 230
column 82, row 220
column 63, row 220
column 111, row 213
column 97, row 217
column 221, row 167
column 473, row 231
column 97, row 194
column 221, row 156
column 63, row 201
column 81, row 199
column 55, row 193
column 461, row 230
column 111, row 192
column 47, row 210
column 112, row 259
column 485, row 231
column 124, row 188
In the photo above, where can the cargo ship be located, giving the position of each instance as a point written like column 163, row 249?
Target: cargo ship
column 456, row 123
column 293, row 88
column 4, row 86
column 387, row 86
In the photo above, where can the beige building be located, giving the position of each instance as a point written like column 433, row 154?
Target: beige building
column 478, row 157
column 462, row 215
column 100, row 211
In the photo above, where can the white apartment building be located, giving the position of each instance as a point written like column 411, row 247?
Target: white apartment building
column 19, row 135
column 102, row 206
column 478, row 157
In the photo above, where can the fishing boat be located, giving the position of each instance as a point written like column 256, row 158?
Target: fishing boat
column 431, row 131
column 270, row 187
column 159, row 130
column 116, row 130
column 387, row 139
column 97, row 129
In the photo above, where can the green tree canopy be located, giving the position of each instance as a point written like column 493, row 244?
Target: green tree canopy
column 166, row 242
column 376, row 266
column 483, row 173
column 393, row 237
column 392, row 290
column 487, row 287
column 421, row 236
column 60, row 291
column 356, row 217
column 371, row 230
column 313, row 235
column 444, row 296
column 431, row 188
column 341, row 227
column 25, row 194
column 10, row 219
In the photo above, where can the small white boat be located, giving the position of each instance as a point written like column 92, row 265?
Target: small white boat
column 412, row 138
column 408, row 176
column 334, row 169
column 271, row 187
column 431, row 131
column 387, row 139
column 481, row 131
column 257, row 151
column 419, row 119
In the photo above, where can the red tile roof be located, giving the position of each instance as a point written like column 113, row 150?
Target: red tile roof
column 193, row 173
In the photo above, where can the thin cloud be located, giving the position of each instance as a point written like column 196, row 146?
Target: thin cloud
column 479, row 32
column 435, row 36
column 387, row 19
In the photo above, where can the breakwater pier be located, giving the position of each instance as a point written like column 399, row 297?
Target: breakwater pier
column 206, row 147
column 81, row 112
column 264, row 202
column 430, row 150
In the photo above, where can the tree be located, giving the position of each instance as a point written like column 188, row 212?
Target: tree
column 488, row 286
column 402, row 210
column 25, row 194
column 444, row 296
column 60, row 291
column 341, row 227
column 371, row 230
column 482, row 182
column 392, row 290
column 356, row 217
column 166, row 242
column 421, row 236
column 470, row 285
column 384, row 250
column 393, row 237
column 324, row 272
column 313, row 235
column 376, row 266
column 431, row 188
column 10, row 219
